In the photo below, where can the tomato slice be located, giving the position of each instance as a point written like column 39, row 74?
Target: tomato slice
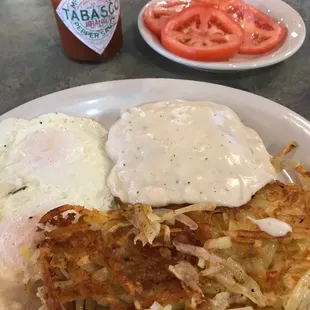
column 157, row 13
column 202, row 33
column 214, row 3
column 262, row 33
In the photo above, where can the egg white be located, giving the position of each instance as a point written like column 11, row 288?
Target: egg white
column 44, row 163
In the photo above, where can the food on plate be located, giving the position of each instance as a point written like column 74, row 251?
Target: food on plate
column 157, row 13
column 262, row 33
column 196, row 257
column 48, row 161
column 195, row 160
column 206, row 30
column 202, row 33
column 176, row 152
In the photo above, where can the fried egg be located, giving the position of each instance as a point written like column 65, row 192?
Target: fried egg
column 45, row 162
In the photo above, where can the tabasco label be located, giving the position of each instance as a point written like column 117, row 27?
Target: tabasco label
column 92, row 21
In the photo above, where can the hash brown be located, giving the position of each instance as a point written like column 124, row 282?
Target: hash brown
column 97, row 255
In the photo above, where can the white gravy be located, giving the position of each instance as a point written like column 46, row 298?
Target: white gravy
column 272, row 226
column 176, row 152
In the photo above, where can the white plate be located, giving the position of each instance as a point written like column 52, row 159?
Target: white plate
column 277, row 9
column 276, row 124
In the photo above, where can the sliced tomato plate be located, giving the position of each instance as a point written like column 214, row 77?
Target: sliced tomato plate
column 277, row 10
column 202, row 33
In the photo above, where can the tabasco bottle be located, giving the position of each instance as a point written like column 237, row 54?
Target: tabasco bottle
column 90, row 30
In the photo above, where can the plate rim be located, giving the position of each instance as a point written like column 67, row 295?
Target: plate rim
column 219, row 66
column 82, row 89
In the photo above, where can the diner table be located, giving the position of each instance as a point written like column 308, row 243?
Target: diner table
column 32, row 62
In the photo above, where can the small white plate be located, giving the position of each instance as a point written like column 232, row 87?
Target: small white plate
column 275, row 124
column 277, row 9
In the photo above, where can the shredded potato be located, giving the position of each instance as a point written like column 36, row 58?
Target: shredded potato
column 200, row 252
column 189, row 278
column 209, row 258
column 218, row 243
column 277, row 160
column 287, row 149
column 243, row 308
column 143, row 218
column 299, row 293
column 303, row 172
column 167, row 237
column 157, row 306
column 220, row 301
column 191, row 208
column 181, row 218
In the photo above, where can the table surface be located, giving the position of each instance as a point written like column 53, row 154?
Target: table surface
column 32, row 63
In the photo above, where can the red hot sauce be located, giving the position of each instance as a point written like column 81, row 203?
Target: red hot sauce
column 90, row 30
